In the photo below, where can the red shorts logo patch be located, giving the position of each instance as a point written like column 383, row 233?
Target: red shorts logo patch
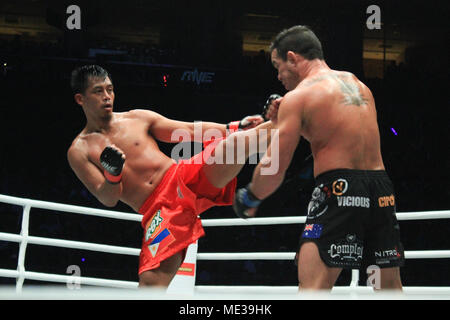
column 163, row 239
column 153, row 225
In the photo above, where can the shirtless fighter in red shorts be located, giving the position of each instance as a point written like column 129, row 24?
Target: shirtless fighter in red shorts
column 117, row 158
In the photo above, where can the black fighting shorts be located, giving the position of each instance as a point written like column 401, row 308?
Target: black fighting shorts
column 351, row 218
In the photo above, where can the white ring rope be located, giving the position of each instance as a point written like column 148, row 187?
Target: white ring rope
column 420, row 215
column 25, row 239
column 70, row 208
column 424, row 254
column 67, row 279
column 70, row 244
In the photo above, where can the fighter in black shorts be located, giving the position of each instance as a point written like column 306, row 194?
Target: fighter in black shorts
column 351, row 217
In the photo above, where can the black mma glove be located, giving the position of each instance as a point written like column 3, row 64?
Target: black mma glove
column 268, row 102
column 244, row 199
column 112, row 161
column 242, row 124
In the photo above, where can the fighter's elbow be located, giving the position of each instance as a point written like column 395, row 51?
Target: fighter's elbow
column 106, row 197
column 108, row 202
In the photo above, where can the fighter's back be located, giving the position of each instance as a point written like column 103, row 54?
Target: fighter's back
column 339, row 119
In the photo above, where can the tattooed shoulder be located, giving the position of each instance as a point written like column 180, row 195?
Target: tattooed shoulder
column 351, row 92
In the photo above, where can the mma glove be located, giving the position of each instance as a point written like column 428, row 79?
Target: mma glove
column 269, row 101
column 244, row 199
column 112, row 161
column 244, row 123
column 239, row 125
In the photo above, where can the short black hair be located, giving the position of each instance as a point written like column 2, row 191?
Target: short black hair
column 299, row 39
column 79, row 80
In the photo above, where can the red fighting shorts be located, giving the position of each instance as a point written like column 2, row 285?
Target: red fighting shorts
column 170, row 214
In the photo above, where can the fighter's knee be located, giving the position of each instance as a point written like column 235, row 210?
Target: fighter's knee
column 391, row 281
column 150, row 279
column 219, row 184
column 146, row 283
column 315, row 284
column 313, row 273
column 146, row 279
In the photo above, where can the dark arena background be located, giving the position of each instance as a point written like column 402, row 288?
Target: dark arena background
column 209, row 61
